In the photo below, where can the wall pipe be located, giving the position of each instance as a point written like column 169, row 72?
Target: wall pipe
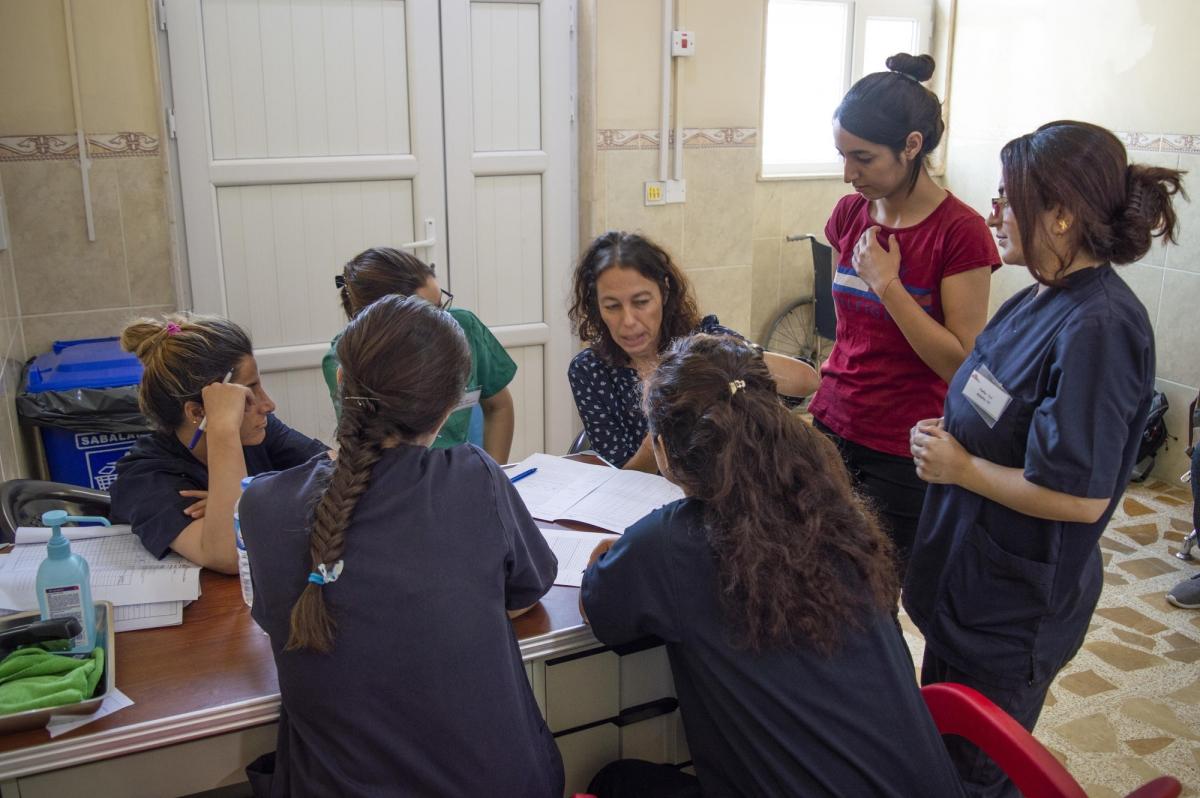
column 678, row 99
column 85, row 163
column 665, row 120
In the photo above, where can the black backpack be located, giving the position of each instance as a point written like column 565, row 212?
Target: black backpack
column 1153, row 437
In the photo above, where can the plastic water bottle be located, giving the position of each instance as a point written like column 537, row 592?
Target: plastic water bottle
column 243, row 557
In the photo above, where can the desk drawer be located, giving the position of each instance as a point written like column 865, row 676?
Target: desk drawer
column 585, row 752
column 582, row 689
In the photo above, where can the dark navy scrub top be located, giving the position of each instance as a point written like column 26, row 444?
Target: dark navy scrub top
column 1001, row 595
column 151, row 474
column 782, row 722
column 424, row 692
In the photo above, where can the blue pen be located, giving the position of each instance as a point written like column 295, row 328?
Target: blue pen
column 522, row 475
column 204, row 421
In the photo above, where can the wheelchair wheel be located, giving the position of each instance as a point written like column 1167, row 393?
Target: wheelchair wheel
column 794, row 331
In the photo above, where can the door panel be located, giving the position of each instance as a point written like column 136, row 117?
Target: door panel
column 309, row 130
column 508, row 232
column 526, row 389
column 306, row 78
column 288, row 241
column 505, row 76
column 509, row 136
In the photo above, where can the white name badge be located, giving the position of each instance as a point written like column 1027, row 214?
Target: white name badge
column 469, row 399
column 986, row 395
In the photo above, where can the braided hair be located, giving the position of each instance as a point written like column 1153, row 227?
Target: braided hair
column 404, row 367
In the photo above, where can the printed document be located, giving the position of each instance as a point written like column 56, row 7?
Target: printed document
column 609, row 498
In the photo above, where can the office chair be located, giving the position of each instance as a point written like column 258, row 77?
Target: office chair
column 958, row 709
column 22, row 502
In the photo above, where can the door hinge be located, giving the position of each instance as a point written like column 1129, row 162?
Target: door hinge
column 161, row 6
column 171, row 123
column 572, row 115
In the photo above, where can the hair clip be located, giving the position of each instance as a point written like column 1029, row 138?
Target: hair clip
column 339, row 281
column 363, row 402
column 325, row 575
column 735, row 386
column 172, row 328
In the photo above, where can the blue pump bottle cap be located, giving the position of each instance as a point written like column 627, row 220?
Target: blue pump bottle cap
column 59, row 547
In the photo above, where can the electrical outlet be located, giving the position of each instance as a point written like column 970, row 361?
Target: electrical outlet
column 675, row 191
column 655, row 193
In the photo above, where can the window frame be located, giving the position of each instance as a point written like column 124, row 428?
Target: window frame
column 858, row 12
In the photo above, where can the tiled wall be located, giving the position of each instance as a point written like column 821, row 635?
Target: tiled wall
column 54, row 283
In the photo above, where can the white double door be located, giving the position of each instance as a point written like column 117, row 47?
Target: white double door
column 309, row 130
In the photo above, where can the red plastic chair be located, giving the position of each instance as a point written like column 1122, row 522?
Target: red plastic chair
column 958, row 709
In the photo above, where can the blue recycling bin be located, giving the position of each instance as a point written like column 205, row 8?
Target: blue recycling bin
column 82, row 397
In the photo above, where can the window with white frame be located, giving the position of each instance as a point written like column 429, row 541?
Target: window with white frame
column 815, row 50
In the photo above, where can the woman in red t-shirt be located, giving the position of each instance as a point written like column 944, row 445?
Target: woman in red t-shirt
column 909, row 287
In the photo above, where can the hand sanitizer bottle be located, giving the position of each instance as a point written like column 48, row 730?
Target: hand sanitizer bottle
column 64, row 587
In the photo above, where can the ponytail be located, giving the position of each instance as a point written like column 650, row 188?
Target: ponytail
column 1148, row 211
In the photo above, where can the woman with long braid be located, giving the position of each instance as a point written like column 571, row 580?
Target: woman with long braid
column 773, row 588
column 384, row 593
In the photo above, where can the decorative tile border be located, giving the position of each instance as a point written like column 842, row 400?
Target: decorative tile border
column 65, row 147
column 693, row 138
column 1161, row 142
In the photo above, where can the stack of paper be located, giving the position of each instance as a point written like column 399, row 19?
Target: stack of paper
column 566, row 490
column 145, row 592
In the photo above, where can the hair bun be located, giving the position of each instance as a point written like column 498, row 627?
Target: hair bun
column 918, row 67
column 142, row 336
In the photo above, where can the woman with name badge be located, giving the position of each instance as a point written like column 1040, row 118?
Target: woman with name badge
column 910, row 285
column 629, row 302
column 774, row 590
column 1041, row 428
column 214, row 425
column 385, row 593
column 378, row 272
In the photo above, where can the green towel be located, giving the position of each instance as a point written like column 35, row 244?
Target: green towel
column 33, row 678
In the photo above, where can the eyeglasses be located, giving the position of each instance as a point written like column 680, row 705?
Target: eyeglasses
column 339, row 281
column 998, row 205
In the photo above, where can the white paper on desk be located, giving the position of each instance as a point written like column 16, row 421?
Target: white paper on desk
column 572, row 549
column 557, row 485
column 623, row 500
column 41, row 534
column 123, row 572
column 147, row 616
column 61, row 724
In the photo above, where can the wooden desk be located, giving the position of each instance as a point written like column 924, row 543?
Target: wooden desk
column 215, row 674
column 206, row 702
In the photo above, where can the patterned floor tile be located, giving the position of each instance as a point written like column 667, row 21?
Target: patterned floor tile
column 1086, row 683
column 1145, row 534
column 1149, row 745
column 1122, row 656
column 1135, row 620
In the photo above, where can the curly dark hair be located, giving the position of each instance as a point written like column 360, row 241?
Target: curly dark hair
column 800, row 557
column 680, row 314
